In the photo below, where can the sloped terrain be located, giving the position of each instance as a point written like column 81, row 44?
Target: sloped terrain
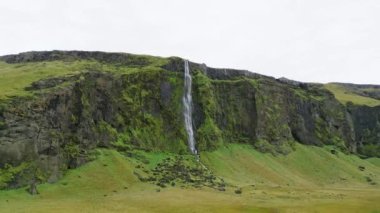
column 368, row 95
column 304, row 180
column 308, row 166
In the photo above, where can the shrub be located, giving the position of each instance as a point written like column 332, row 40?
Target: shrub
column 238, row 191
column 263, row 145
column 9, row 173
column 370, row 150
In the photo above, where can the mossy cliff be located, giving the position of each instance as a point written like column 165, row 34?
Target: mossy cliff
column 367, row 129
column 239, row 106
column 123, row 101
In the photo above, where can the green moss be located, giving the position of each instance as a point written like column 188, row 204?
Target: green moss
column 254, row 82
column 9, row 173
column 282, row 147
column 106, row 128
column 272, row 117
column 322, row 132
column 3, row 107
column 308, row 95
column 228, row 110
column 264, row 146
column 73, row 118
column 71, row 150
column 3, row 125
column 372, row 150
column 152, row 114
column 370, row 138
column 300, row 93
column 328, row 137
column 339, row 143
column 209, row 135
column 120, row 121
column 204, row 93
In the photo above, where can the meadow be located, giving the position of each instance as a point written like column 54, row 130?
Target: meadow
column 310, row 179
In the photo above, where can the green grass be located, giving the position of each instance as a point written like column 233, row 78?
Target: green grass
column 308, row 166
column 108, row 184
column 344, row 96
column 375, row 161
column 16, row 77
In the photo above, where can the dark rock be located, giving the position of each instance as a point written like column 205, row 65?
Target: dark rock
column 366, row 122
column 238, row 191
column 33, row 189
column 115, row 58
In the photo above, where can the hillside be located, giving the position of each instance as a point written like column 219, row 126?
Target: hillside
column 107, row 131
column 368, row 95
column 303, row 180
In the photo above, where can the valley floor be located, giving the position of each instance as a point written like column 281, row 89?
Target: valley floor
column 311, row 179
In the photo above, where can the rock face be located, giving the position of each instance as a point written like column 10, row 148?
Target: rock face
column 366, row 122
column 243, row 107
column 32, row 190
column 57, row 129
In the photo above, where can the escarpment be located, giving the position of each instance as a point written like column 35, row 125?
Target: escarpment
column 124, row 101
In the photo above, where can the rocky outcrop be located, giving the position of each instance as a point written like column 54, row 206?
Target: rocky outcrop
column 115, row 58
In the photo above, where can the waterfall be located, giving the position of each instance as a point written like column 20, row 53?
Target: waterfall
column 188, row 109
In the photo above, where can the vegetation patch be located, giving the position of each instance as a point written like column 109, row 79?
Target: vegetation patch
column 345, row 96
column 9, row 173
column 178, row 170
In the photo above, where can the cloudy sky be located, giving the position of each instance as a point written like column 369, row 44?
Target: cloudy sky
column 307, row 40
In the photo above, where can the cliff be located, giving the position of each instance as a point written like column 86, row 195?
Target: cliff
column 57, row 106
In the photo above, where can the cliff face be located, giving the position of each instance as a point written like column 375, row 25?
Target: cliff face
column 141, row 107
column 268, row 113
column 366, row 122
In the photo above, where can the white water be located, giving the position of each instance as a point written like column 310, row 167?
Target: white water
column 188, row 105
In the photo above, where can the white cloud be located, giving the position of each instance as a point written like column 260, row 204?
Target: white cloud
column 316, row 41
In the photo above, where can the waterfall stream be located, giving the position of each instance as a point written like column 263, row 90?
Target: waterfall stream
column 188, row 108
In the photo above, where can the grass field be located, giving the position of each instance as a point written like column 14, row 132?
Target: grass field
column 308, row 180
column 344, row 96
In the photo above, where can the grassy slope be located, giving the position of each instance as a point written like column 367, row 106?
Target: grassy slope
column 308, row 166
column 100, row 185
column 15, row 77
column 375, row 161
column 344, row 96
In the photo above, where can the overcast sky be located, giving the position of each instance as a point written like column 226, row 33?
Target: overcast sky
column 307, row 40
